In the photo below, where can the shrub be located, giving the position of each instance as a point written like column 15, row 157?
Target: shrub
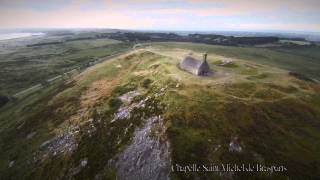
column 3, row 100
column 300, row 76
column 115, row 103
column 119, row 90
column 146, row 83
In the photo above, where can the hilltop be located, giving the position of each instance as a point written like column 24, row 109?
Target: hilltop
column 139, row 110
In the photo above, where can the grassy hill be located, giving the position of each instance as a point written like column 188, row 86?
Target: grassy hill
column 248, row 112
column 304, row 59
column 24, row 66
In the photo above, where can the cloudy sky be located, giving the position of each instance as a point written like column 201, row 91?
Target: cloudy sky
column 201, row 15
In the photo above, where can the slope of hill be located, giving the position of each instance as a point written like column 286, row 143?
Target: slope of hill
column 22, row 66
column 138, row 114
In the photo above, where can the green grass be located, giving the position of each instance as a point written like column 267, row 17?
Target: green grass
column 304, row 60
column 28, row 66
column 259, row 76
column 273, row 127
column 275, row 122
column 241, row 89
column 230, row 65
column 19, row 119
column 270, row 130
column 268, row 94
column 52, row 109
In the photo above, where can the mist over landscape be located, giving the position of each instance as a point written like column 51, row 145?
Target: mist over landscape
column 143, row 90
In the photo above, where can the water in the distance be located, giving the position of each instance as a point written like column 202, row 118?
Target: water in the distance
column 7, row 36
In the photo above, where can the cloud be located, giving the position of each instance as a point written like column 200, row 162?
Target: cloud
column 272, row 26
column 162, row 14
column 71, row 17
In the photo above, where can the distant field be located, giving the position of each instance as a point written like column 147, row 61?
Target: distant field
column 295, row 42
column 24, row 66
column 304, row 60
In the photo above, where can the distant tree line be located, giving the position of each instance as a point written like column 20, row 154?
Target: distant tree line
column 45, row 43
column 199, row 38
column 162, row 37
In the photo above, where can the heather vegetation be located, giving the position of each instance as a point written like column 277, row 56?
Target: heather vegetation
column 251, row 110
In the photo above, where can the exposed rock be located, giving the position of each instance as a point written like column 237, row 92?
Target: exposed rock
column 29, row 136
column 44, row 144
column 234, row 145
column 124, row 112
column 84, row 162
column 11, row 163
column 226, row 61
column 64, row 143
column 146, row 157
column 75, row 170
column 217, row 148
column 128, row 97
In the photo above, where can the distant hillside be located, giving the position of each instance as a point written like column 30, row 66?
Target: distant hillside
column 201, row 38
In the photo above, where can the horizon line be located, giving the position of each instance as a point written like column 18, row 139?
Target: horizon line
column 166, row 30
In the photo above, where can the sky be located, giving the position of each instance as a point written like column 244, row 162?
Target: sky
column 182, row 15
